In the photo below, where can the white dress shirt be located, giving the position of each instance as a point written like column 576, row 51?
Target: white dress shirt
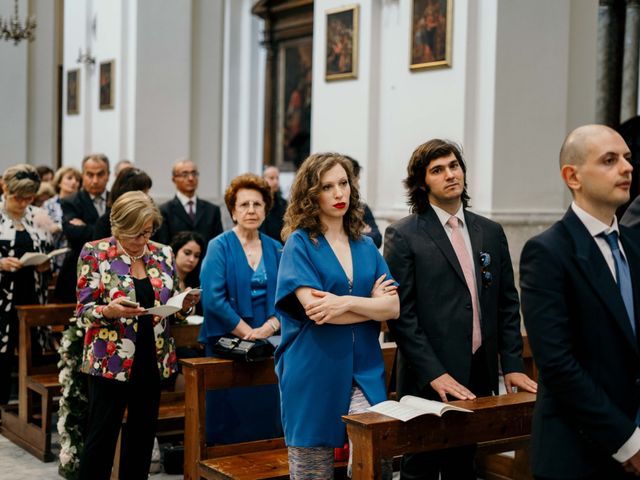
column 184, row 200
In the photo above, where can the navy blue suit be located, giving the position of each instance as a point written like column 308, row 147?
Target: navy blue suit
column 584, row 348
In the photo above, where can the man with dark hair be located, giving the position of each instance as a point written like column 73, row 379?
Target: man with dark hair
column 580, row 282
column 371, row 229
column 187, row 212
column 80, row 212
column 274, row 221
column 459, row 307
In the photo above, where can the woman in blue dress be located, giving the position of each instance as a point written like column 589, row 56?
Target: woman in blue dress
column 238, row 279
column 334, row 288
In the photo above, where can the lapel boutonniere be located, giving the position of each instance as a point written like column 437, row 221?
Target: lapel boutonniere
column 485, row 274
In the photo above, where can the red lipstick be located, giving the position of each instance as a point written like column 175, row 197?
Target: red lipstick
column 340, row 205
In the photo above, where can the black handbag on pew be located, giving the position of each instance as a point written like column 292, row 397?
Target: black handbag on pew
column 234, row 348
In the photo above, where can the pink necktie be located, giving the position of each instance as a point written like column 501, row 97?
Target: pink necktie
column 192, row 214
column 457, row 240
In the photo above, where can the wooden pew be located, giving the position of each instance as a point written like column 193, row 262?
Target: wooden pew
column 260, row 460
column 503, row 419
column 21, row 425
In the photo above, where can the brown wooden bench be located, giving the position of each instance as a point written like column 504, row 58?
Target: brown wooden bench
column 259, row 460
column 501, row 422
column 24, row 424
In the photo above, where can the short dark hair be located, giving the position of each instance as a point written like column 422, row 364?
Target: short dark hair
column 250, row 181
column 43, row 170
column 180, row 239
column 417, row 190
column 128, row 180
column 355, row 165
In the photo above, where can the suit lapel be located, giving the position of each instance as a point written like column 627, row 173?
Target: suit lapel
column 90, row 206
column 597, row 272
column 179, row 210
column 199, row 211
column 431, row 224
column 633, row 258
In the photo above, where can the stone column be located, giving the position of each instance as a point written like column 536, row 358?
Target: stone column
column 629, row 101
column 608, row 61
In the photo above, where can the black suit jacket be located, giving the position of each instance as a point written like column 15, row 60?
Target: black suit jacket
column 207, row 223
column 631, row 217
column 435, row 326
column 583, row 345
column 79, row 205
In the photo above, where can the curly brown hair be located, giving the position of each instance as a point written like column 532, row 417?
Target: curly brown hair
column 417, row 190
column 303, row 211
column 249, row 181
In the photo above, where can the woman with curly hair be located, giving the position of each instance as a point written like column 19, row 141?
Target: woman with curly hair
column 333, row 290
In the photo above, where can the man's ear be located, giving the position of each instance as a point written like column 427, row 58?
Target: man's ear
column 570, row 176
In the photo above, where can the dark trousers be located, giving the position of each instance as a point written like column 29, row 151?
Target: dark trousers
column 107, row 401
column 453, row 463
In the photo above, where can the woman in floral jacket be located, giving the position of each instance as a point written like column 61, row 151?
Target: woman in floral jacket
column 126, row 352
column 22, row 230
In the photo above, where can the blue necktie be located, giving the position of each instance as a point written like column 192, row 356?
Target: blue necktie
column 623, row 276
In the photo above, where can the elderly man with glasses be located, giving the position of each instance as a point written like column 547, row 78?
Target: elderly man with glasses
column 187, row 212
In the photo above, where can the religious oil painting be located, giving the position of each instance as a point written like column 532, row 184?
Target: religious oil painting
column 73, row 92
column 294, row 103
column 431, row 25
column 106, row 85
column 342, row 43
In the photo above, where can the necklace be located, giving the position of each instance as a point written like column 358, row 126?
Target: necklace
column 133, row 258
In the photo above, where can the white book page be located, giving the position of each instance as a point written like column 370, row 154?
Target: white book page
column 430, row 406
column 394, row 409
column 173, row 304
column 37, row 258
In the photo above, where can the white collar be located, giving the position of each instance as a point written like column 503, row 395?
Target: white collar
column 444, row 216
column 594, row 226
column 184, row 199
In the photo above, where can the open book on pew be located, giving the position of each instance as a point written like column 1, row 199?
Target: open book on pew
column 411, row 407
column 37, row 258
column 173, row 304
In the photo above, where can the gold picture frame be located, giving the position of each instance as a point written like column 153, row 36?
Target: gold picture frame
column 73, row 91
column 105, row 85
column 342, row 36
column 431, row 31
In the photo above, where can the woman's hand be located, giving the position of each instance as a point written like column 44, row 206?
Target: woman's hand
column 327, row 306
column 189, row 301
column 265, row 331
column 44, row 266
column 383, row 287
column 10, row 264
column 115, row 309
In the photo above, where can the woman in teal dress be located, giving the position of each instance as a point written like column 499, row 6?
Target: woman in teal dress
column 238, row 279
column 334, row 288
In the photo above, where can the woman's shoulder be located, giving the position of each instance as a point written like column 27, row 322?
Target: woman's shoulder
column 270, row 242
column 102, row 244
column 157, row 248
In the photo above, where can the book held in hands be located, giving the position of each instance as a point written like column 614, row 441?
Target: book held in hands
column 411, row 407
column 37, row 258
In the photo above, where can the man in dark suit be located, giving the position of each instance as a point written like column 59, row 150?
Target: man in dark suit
column 459, row 306
column 580, row 282
column 80, row 212
column 186, row 211
column 274, row 221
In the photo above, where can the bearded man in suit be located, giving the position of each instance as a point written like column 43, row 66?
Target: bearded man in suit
column 459, row 306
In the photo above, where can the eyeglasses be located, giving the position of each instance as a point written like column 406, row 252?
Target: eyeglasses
column 21, row 199
column 194, row 174
column 244, row 206
column 146, row 235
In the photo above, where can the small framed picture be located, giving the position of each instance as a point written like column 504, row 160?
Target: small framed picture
column 431, row 25
column 342, row 43
column 73, row 92
column 106, row 84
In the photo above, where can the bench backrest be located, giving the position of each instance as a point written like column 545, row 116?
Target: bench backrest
column 202, row 374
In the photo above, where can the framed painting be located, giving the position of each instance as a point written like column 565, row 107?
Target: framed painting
column 341, row 59
column 293, row 117
column 73, row 92
column 106, row 75
column 431, row 25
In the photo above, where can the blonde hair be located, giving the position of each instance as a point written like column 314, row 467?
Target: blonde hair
column 60, row 174
column 131, row 211
column 22, row 180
